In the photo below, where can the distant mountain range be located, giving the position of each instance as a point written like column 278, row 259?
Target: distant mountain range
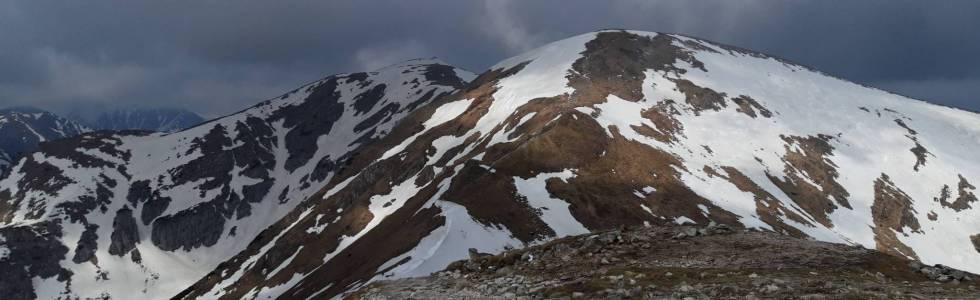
column 155, row 119
column 23, row 128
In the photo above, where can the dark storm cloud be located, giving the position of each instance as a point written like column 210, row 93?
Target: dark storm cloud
column 215, row 57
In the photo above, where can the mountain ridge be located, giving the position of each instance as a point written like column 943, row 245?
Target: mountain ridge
column 151, row 119
column 165, row 208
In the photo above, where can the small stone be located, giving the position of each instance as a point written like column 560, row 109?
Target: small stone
column 957, row 274
column 578, row 295
column 753, row 275
column 770, row 288
column 915, row 265
column 668, row 274
column 690, row 231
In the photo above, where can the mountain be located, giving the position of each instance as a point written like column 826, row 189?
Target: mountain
column 23, row 128
column 158, row 119
column 627, row 128
column 365, row 177
column 136, row 214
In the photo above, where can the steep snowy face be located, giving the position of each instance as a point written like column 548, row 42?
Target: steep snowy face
column 22, row 129
column 160, row 119
column 628, row 128
column 142, row 215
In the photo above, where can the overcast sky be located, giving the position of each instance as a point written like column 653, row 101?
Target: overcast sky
column 217, row 57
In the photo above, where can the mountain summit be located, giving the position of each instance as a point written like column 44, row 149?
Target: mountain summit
column 370, row 176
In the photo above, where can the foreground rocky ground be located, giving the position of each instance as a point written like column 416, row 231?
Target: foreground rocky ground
column 713, row 262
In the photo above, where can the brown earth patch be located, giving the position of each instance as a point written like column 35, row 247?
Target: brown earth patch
column 769, row 209
column 492, row 199
column 811, row 160
column 748, row 106
column 920, row 156
column 663, row 117
column 615, row 61
column 892, row 211
column 965, row 197
column 919, row 151
column 396, row 234
column 602, row 195
column 700, row 98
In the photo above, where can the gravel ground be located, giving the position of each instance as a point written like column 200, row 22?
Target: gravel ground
column 714, row 262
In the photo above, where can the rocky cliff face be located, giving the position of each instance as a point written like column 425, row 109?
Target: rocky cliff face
column 142, row 215
column 627, row 128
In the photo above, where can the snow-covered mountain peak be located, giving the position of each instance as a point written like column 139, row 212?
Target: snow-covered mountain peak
column 619, row 128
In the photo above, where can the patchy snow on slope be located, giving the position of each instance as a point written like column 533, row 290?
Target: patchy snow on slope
column 158, row 160
column 553, row 212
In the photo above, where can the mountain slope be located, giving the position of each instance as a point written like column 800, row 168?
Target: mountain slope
column 627, row 128
column 160, row 119
column 142, row 215
column 22, row 129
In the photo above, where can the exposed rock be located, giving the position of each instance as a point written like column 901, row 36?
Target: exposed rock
column 188, row 229
column 29, row 253
column 87, row 245
column 976, row 241
column 125, row 233
column 892, row 212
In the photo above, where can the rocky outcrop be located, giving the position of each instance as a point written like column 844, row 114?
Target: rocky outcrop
column 200, row 226
column 892, row 212
column 976, row 241
column 943, row 273
column 125, row 233
column 87, row 245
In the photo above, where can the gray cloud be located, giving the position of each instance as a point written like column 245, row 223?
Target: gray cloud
column 217, row 57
